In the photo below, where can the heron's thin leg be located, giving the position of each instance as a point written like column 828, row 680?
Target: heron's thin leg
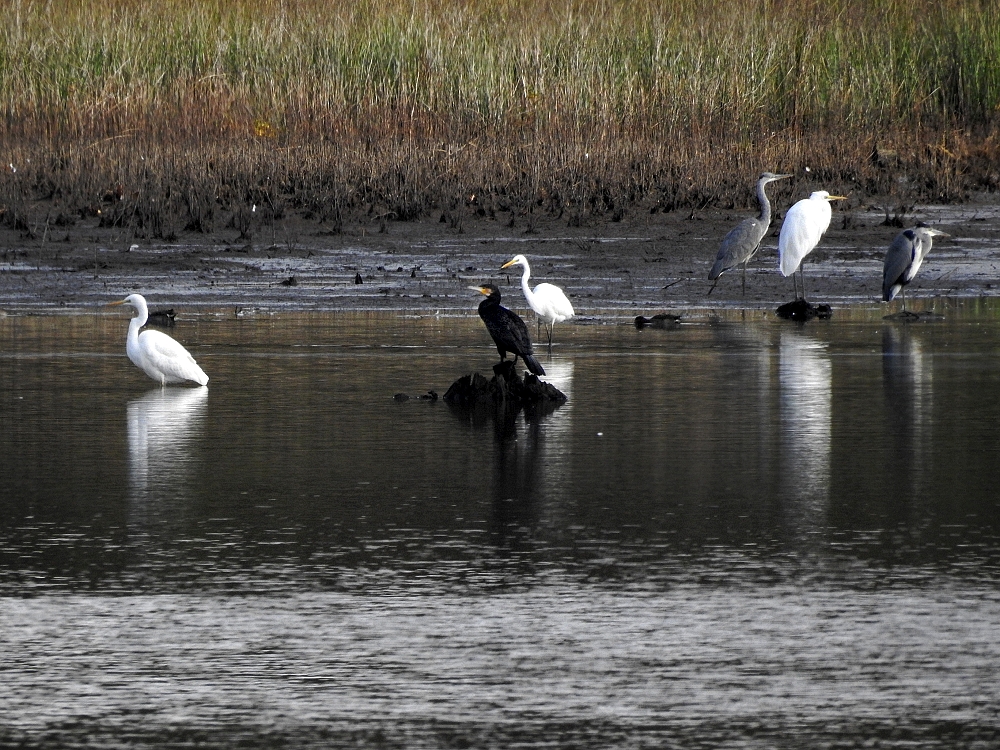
column 745, row 276
column 902, row 296
column 802, row 273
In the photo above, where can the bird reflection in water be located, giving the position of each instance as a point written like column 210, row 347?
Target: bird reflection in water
column 531, row 453
column 805, row 381
column 163, row 427
column 908, row 388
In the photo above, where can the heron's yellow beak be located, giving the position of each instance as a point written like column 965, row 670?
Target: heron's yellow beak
column 836, row 197
column 115, row 304
column 507, row 264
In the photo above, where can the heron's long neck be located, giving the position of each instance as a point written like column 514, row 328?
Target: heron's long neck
column 765, row 204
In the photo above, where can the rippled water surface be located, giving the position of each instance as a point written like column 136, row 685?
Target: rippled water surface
column 733, row 534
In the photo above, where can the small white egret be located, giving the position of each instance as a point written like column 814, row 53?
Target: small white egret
column 801, row 231
column 549, row 302
column 741, row 244
column 155, row 353
column 903, row 260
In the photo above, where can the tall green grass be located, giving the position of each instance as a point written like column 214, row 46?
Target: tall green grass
column 572, row 106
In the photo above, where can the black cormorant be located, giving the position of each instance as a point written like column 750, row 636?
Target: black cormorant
column 509, row 332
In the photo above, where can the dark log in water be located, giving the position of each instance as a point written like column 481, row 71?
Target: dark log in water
column 505, row 387
column 660, row 320
column 801, row 310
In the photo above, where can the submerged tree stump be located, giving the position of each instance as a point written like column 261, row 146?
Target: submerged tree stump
column 801, row 310
column 505, row 387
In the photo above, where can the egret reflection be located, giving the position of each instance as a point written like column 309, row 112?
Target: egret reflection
column 163, row 426
column 805, row 382
column 555, row 445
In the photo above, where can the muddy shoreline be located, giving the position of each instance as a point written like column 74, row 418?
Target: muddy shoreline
column 642, row 265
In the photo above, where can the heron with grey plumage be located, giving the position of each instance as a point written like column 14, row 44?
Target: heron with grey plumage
column 742, row 242
column 904, row 258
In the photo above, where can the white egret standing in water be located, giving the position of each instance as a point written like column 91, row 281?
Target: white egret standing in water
column 547, row 300
column 903, row 260
column 155, row 353
column 801, row 231
column 741, row 244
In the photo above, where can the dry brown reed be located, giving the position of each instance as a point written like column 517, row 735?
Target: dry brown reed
column 182, row 115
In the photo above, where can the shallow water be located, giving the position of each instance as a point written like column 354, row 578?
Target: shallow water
column 740, row 534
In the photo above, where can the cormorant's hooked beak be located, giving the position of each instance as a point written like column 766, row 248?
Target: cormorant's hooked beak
column 480, row 289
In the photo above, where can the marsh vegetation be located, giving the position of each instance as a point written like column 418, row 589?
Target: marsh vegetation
column 197, row 115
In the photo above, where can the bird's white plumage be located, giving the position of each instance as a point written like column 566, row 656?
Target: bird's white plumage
column 548, row 301
column 802, row 229
column 155, row 353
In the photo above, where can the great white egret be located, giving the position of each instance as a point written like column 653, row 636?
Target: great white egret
column 801, row 231
column 903, row 259
column 741, row 244
column 547, row 300
column 507, row 330
column 155, row 353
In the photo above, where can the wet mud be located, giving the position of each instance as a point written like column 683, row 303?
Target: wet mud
column 644, row 265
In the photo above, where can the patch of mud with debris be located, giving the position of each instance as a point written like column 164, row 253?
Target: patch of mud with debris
column 643, row 266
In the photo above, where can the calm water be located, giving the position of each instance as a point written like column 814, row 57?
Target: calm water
column 734, row 534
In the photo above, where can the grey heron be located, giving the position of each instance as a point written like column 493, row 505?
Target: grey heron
column 741, row 244
column 903, row 260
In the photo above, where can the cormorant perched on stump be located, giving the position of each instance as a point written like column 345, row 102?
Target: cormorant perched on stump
column 509, row 332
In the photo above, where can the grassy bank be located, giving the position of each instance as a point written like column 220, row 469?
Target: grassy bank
column 183, row 115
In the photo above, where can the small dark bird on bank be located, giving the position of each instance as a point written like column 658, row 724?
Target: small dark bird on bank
column 508, row 331
column 162, row 318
